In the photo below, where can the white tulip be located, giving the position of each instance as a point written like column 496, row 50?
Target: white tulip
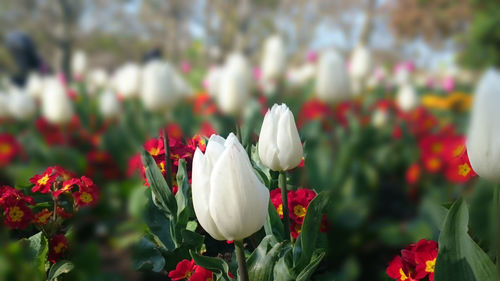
column 234, row 88
column 380, row 118
column 229, row 200
column 332, row 79
column 109, row 104
column 407, row 97
column 483, row 137
column 56, row 104
column 34, row 86
column 98, row 79
column 126, row 81
column 361, row 62
column 79, row 63
column 280, row 148
column 158, row 91
column 273, row 62
column 21, row 105
column 297, row 77
column 212, row 80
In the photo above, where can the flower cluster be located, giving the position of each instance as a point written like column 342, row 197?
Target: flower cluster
column 58, row 246
column 9, row 148
column 188, row 270
column 416, row 262
column 298, row 201
column 15, row 207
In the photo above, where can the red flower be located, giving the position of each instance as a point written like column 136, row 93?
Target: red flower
column 42, row 217
column 101, row 163
column 433, row 163
column 61, row 212
column 10, row 196
column 459, row 169
column 206, row 129
column 398, row 271
column 426, row 252
column 44, row 181
column 397, row 132
column 65, row 174
column 18, row 215
column 413, row 174
column 58, row 247
column 174, row 131
column 183, row 270
column 88, row 193
column 66, row 187
column 315, row 110
column 203, row 105
column 9, row 148
column 201, row 274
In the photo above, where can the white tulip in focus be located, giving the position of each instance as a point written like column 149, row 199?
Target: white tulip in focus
column 234, row 88
column 21, row 105
column 280, row 148
column 56, row 104
column 158, row 91
column 332, row 78
column 98, row 78
column 361, row 63
column 273, row 62
column 126, row 80
column 34, row 86
column 79, row 63
column 407, row 97
column 229, row 200
column 109, row 105
column 483, row 137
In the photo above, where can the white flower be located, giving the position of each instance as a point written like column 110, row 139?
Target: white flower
column 159, row 92
column 332, row 78
column 380, row 118
column 56, row 105
column 234, row 88
column 483, row 137
column 212, row 80
column 34, row 86
column 297, row 77
column 98, row 79
column 126, row 80
column 79, row 63
column 361, row 63
column 109, row 105
column 407, row 97
column 280, row 148
column 273, row 59
column 21, row 105
column 182, row 87
column 229, row 200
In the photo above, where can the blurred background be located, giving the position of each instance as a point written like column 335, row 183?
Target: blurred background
column 410, row 69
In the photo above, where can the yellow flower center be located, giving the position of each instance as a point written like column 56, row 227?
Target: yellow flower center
column 464, row 169
column 16, row 214
column 43, row 180
column 5, row 148
column 437, row 147
column 429, row 265
column 86, row 197
column 280, row 210
column 458, row 150
column 434, row 163
column 154, row 151
column 299, row 211
column 298, row 228
column 44, row 217
column 59, row 247
column 162, row 167
column 403, row 275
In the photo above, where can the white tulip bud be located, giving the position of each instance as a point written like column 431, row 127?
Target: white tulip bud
column 332, row 78
column 34, row 86
column 234, row 88
column 21, row 105
column 56, row 104
column 229, row 200
column 407, row 97
column 212, row 80
column 126, row 81
column 158, row 91
column 79, row 63
column 483, row 137
column 273, row 59
column 109, row 104
column 98, row 79
column 361, row 63
column 280, row 148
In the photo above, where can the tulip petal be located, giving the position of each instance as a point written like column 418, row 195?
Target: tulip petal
column 268, row 150
column 290, row 147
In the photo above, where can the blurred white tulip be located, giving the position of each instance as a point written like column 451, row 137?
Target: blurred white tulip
column 234, row 88
column 380, row 118
column 280, row 148
column 297, row 77
column 79, row 63
column 483, row 137
column 229, row 200
column 273, row 62
column 212, row 80
column 21, row 105
column 34, row 85
column 407, row 97
column 332, row 78
column 109, row 105
column 98, row 79
column 159, row 92
column 126, row 80
column 361, row 63
column 57, row 107
column 182, row 87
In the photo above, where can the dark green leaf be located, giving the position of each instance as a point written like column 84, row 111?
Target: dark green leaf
column 147, row 256
column 306, row 273
column 218, row 266
column 273, row 224
column 59, row 268
column 261, row 261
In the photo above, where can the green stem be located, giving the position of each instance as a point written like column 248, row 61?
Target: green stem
column 284, row 203
column 168, row 162
column 242, row 264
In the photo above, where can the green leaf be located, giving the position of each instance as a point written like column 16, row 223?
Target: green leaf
column 182, row 197
column 273, row 224
column 218, row 266
column 306, row 273
column 261, row 261
column 192, row 239
column 147, row 256
column 59, row 268
column 38, row 248
column 283, row 267
column 459, row 257
column 158, row 224
column 310, row 229
column 162, row 194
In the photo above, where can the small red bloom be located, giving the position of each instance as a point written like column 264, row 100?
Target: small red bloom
column 206, row 129
column 316, row 110
column 42, row 217
column 413, row 174
column 183, row 270
column 18, row 215
column 396, row 270
column 88, row 193
column 9, row 148
column 10, row 196
column 155, row 147
column 204, row 105
column 44, row 181
column 58, row 247
column 201, row 274
column 459, row 169
column 433, row 163
column 66, row 187
column 61, row 212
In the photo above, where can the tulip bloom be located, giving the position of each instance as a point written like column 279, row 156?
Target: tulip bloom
column 159, row 92
column 126, row 80
column 332, row 80
column 361, row 63
column 483, row 138
column 279, row 143
column 273, row 59
column 234, row 88
column 79, row 64
column 56, row 105
column 109, row 105
column 229, row 200
column 21, row 105
column 407, row 98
